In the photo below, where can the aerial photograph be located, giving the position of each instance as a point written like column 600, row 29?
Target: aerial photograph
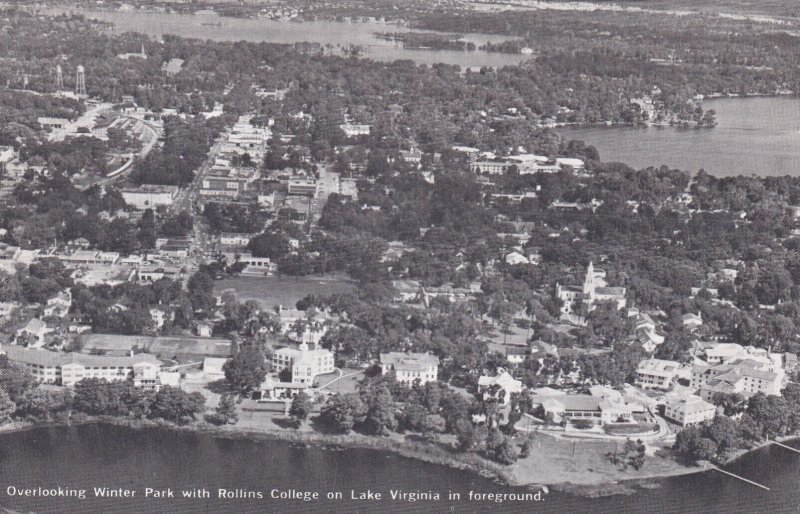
column 399, row 256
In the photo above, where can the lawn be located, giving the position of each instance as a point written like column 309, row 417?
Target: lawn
column 281, row 290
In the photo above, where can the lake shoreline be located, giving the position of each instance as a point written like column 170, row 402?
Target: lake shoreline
column 417, row 450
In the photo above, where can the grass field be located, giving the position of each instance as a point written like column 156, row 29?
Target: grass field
column 281, row 290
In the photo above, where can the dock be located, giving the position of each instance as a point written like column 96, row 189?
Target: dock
column 740, row 478
column 786, row 446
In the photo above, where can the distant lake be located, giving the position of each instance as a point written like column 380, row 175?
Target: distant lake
column 91, row 456
column 758, row 135
column 338, row 34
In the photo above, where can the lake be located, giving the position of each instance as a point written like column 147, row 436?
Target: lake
column 338, row 34
column 89, row 456
column 757, row 135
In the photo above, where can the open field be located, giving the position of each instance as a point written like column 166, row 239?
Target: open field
column 282, row 290
column 162, row 347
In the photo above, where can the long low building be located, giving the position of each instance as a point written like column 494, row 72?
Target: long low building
column 69, row 368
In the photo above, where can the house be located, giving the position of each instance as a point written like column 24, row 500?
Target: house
column 507, row 384
column 689, row 410
column 571, row 407
column 69, row 368
column 410, row 368
column 656, row 373
column 203, row 329
column 304, row 364
column 515, row 258
column 517, row 355
column 58, row 306
column 692, row 321
column 594, row 290
column 743, row 376
column 32, row 333
column 540, row 349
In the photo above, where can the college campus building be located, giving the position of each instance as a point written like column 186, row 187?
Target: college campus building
column 656, row 374
column 690, row 410
column 410, row 367
column 744, row 376
column 69, row 368
column 594, row 290
column 305, row 364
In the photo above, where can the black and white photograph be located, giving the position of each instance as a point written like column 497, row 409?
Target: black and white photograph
column 399, row 256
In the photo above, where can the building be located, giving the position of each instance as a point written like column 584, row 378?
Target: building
column 594, row 290
column 149, row 196
column 58, row 306
column 571, row 407
column 69, row 368
column 213, row 367
column 743, row 376
column 272, row 389
column 689, row 411
column 507, row 384
column 302, row 186
column 305, row 364
column 692, row 321
column 32, row 333
column 409, row 368
column 723, row 352
column 235, row 239
column 517, row 355
column 7, row 154
column 656, row 374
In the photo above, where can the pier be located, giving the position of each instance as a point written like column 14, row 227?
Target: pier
column 740, row 478
column 786, row 446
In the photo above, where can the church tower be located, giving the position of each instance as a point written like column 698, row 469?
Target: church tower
column 588, row 283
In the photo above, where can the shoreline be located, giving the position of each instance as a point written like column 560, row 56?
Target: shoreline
column 417, row 450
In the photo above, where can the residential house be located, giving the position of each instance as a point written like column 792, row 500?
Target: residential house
column 507, row 384
column 32, row 333
column 58, row 306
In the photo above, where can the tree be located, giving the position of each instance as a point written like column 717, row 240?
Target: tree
column 225, row 413
column 172, row 403
column 300, row 408
column 246, row 370
column 7, row 407
column 342, row 412
column 527, row 446
column 381, row 417
column 42, row 404
column 14, row 380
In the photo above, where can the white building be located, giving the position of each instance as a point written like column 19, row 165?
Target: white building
column 690, row 410
column 743, row 376
column 149, row 196
column 69, row 368
column 594, row 290
column 235, row 239
column 656, row 374
column 305, row 364
column 508, row 384
column 411, row 367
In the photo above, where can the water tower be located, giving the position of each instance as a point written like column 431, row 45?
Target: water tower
column 80, row 81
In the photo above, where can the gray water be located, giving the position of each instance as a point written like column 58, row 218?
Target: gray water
column 88, row 456
column 340, row 35
column 759, row 135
